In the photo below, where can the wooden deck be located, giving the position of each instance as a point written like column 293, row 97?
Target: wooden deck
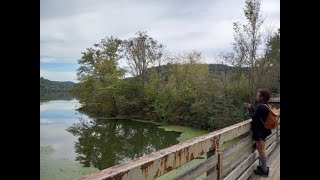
column 274, row 166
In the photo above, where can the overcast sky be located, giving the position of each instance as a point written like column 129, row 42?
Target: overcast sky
column 68, row 27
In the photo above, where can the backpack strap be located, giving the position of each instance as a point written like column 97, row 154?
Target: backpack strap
column 268, row 106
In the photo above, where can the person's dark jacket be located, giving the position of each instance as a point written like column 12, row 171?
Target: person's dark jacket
column 257, row 127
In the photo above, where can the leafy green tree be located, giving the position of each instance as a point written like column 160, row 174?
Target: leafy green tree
column 272, row 57
column 99, row 77
column 140, row 52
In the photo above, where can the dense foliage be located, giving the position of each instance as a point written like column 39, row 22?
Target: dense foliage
column 180, row 89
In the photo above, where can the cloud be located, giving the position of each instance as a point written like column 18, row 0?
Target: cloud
column 58, row 75
column 45, row 121
column 67, row 28
column 271, row 7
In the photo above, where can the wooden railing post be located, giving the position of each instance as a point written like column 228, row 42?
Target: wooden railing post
column 213, row 152
column 220, row 165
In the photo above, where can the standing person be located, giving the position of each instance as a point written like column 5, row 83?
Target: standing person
column 259, row 132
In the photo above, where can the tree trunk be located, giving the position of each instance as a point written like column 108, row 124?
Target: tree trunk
column 115, row 107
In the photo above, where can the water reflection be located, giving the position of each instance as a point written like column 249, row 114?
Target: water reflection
column 105, row 143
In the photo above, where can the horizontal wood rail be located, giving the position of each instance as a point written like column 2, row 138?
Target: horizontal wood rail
column 236, row 161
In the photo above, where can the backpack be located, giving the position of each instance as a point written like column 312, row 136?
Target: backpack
column 272, row 120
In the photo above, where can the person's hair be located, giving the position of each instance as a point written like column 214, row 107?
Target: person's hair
column 265, row 94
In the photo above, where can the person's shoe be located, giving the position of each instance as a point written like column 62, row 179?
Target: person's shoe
column 260, row 172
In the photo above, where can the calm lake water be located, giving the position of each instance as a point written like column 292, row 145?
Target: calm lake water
column 72, row 144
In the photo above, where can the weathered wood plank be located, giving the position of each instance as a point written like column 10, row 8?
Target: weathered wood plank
column 199, row 169
column 243, row 142
column 272, row 139
column 240, row 144
column 271, row 148
column 274, row 161
column 249, row 171
column 275, row 129
column 272, row 134
column 220, row 165
column 276, row 170
column 234, row 131
column 158, row 163
column 245, row 145
column 274, row 153
column 209, row 154
column 232, row 163
column 228, row 166
column 212, row 176
column 246, row 163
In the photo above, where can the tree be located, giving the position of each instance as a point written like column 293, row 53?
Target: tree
column 140, row 52
column 269, row 65
column 99, row 76
column 189, row 78
column 161, row 61
column 248, row 45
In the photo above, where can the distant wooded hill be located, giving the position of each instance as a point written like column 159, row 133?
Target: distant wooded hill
column 55, row 89
column 60, row 90
column 215, row 69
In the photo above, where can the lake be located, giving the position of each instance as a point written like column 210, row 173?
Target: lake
column 72, row 144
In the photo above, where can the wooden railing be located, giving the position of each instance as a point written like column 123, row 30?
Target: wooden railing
column 235, row 161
